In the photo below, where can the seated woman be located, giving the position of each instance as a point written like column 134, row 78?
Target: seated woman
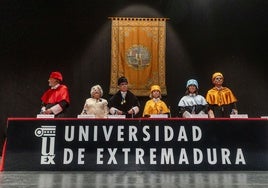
column 95, row 105
column 192, row 102
column 155, row 105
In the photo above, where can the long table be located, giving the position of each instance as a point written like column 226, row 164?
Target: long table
column 143, row 144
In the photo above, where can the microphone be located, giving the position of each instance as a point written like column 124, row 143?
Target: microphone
column 133, row 112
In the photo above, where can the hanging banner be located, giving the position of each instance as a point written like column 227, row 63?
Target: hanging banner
column 138, row 52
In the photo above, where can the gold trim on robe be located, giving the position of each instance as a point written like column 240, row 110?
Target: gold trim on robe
column 220, row 97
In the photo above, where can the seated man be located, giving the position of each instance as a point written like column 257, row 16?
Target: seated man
column 221, row 100
column 124, row 102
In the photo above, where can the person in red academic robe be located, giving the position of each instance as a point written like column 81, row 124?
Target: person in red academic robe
column 56, row 99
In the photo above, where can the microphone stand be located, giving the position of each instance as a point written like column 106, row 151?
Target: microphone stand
column 132, row 114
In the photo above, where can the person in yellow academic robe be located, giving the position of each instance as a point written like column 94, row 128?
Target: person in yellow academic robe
column 155, row 105
column 221, row 100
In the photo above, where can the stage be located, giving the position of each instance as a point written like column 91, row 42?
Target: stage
column 134, row 179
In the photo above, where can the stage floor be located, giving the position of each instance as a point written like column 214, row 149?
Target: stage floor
column 137, row 179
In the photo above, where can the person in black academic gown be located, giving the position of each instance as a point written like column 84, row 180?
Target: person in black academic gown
column 124, row 102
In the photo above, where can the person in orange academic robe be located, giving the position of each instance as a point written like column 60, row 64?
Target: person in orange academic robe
column 221, row 100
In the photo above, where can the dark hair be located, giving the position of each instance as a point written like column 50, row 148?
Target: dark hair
column 121, row 80
column 187, row 91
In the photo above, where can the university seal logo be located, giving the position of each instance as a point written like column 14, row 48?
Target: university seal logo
column 138, row 57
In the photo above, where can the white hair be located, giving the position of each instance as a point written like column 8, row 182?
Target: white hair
column 96, row 88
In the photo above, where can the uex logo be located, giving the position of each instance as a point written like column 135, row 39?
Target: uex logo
column 47, row 134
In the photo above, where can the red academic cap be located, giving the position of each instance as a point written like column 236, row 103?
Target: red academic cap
column 56, row 75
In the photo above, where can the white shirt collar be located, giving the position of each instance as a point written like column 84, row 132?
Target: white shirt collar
column 192, row 94
column 55, row 87
column 156, row 99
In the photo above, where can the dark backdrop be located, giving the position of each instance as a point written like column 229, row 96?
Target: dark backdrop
column 203, row 36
